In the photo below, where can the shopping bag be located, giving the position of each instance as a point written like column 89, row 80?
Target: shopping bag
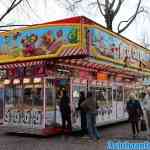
column 143, row 125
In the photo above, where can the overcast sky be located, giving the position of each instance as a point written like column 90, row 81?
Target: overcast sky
column 40, row 11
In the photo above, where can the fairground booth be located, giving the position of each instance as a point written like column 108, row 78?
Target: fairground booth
column 74, row 54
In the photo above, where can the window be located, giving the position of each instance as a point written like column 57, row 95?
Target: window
column 33, row 94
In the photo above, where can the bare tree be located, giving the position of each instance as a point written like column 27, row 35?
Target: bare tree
column 131, row 19
column 145, row 40
column 108, row 9
column 11, row 7
column 144, row 34
column 14, row 4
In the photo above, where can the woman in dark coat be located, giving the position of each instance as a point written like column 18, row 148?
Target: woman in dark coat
column 82, row 114
column 135, row 112
column 65, row 111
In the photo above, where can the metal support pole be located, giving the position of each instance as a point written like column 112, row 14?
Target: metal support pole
column 44, row 104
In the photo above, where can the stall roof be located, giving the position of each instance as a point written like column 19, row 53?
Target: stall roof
column 71, row 38
column 50, row 40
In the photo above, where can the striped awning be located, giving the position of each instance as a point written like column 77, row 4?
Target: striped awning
column 22, row 64
column 74, row 51
column 87, row 64
column 64, row 54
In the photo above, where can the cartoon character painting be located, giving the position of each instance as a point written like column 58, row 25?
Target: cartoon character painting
column 105, row 44
column 50, row 43
column 37, row 42
column 32, row 46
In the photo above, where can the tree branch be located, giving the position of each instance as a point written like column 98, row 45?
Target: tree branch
column 4, row 30
column 78, row 1
column 16, row 4
column 72, row 4
column 92, row 3
column 14, row 25
column 112, row 4
column 12, row 6
column 118, row 8
column 100, row 9
column 130, row 20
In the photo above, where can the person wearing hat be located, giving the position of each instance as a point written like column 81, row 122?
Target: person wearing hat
column 134, row 112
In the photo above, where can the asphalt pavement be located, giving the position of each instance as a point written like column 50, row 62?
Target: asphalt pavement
column 68, row 142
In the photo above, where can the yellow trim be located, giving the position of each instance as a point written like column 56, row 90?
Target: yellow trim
column 124, row 39
column 32, row 27
column 94, row 52
column 84, row 36
column 82, row 43
column 81, row 34
column 11, row 59
column 104, row 58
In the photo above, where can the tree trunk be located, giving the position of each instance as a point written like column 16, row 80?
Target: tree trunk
column 108, row 20
column 109, row 25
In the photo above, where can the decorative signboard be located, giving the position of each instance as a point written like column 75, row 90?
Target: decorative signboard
column 39, row 70
column 28, row 72
column 102, row 76
column 116, row 48
column 11, row 73
column 36, row 41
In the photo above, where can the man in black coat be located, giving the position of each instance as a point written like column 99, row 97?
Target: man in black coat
column 82, row 113
column 65, row 111
column 135, row 112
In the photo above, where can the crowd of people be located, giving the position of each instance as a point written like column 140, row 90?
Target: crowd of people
column 88, row 111
column 138, row 108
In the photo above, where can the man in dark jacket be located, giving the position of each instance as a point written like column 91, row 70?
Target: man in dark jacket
column 65, row 111
column 82, row 113
column 90, row 107
column 135, row 112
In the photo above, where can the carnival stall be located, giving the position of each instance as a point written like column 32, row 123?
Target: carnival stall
column 76, row 54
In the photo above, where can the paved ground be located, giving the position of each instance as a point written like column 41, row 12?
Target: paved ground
column 60, row 142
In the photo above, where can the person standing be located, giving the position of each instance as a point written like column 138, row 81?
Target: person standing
column 82, row 113
column 135, row 112
column 65, row 111
column 146, row 107
column 89, row 106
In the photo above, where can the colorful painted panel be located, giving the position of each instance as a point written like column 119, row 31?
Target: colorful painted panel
column 38, row 41
column 116, row 48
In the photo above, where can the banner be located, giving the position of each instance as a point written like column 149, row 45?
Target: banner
column 116, row 48
column 37, row 41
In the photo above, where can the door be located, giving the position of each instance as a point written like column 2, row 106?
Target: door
column 76, row 89
column 119, row 102
column 1, row 103
column 50, row 103
column 53, row 89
